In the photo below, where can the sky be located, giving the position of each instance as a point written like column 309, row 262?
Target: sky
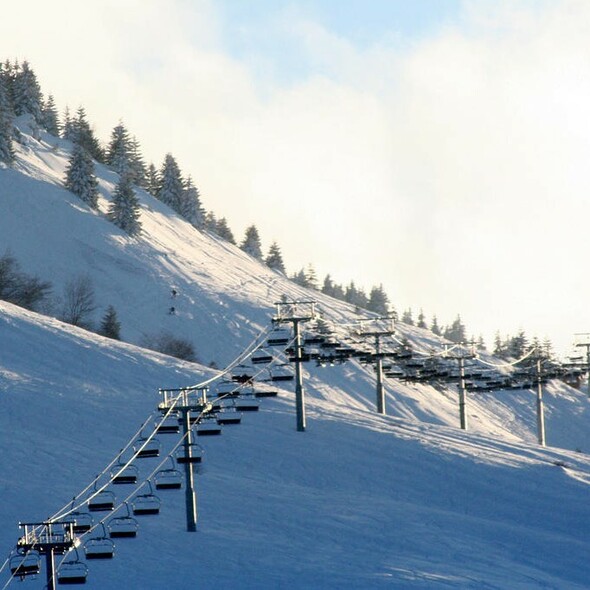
column 436, row 147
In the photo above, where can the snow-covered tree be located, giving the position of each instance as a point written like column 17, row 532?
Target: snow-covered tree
column 27, row 95
column 136, row 164
column 456, row 331
column 274, row 259
column 67, row 131
column 83, row 134
column 223, row 230
column 378, row 301
column 408, row 317
column 50, row 117
column 421, row 323
column 312, row 277
column 355, row 295
column 6, row 148
column 251, row 243
column 152, row 182
column 434, row 327
column 191, row 208
column 110, row 326
column 170, row 186
column 7, row 74
column 119, row 149
column 80, row 177
column 124, row 208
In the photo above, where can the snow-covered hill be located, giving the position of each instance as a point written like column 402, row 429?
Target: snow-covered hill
column 358, row 501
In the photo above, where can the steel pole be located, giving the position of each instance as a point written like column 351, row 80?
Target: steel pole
column 540, row 407
column 462, row 394
column 379, row 370
column 190, row 496
column 299, row 392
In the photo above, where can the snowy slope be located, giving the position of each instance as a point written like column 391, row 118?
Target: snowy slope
column 357, row 501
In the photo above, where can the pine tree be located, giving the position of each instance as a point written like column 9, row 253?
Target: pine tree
column 434, row 327
column 170, row 186
column 124, row 208
column 50, row 117
column 80, row 177
column 191, row 208
column 311, row 276
column 421, row 323
column 274, row 259
column 328, row 286
column 211, row 222
column 6, row 148
column 83, row 135
column 137, row 165
column 251, row 243
column 499, row 349
column 407, row 317
column 7, row 74
column 223, row 230
column 378, row 301
column 300, row 278
column 355, row 296
column 110, row 325
column 118, row 153
column 152, row 181
column 67, row 131
column 27, row 95
column 456, row 331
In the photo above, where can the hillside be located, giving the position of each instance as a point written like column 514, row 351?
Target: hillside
column 359, row 500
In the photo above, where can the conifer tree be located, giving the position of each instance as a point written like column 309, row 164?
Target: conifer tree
column 191, row 208
column 300, row 278
column 7, row 74
column 407, row 317
column 82, row 134
column 170, row 186
column 50, row 117
column 124, row 208
column 251, row 243
column 27, row 93
column 223, row 230
column 6, row 148
column 136, row 164
column 328, row 286
column 434, row 327
column 110, row 325
column 456, row 331
column 152, row 182
column 67, row 131
column 312, row 278
column 421, row 323
column 274, row 259
column 378, row 301
column 80, row 177
column 211, row 222
column 119, row 149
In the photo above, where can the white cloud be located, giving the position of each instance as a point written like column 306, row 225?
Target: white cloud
column 453, row 170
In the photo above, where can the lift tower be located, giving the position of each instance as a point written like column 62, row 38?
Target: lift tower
column 296, row 312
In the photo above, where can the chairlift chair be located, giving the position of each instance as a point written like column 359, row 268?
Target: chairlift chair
column 196, row 454
column 123, row 526
column 100, row 547
column 81, row 521
column 168, row 479
column 247, row 404
column 103, row 501
column 146, row 504
column 146, row 447
column 228, row 415
column 73, row 571
column 279, row 337
column 227, row 388
column 261, row 356
column 124, row 474
column 169, row 424
column 208, row 426
column 25, row 564
column 242, row 374
column 281, row 373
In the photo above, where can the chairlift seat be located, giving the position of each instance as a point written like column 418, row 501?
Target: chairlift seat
column 168, row 479
column 247, row 405
column 99, row 548
column 208, row 428
column 123, row 527
column 146, row 504
column 229, row 417
column 72, row 572
column 103, row 502
column 24, row 565
column 126, row 475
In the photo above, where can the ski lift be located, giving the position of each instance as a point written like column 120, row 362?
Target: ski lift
column 102, row 501
column 261, row 356
column 227, row 388
column 266, row 393
column 279, row 337
column 229, row 415
column 168, row 479
column 124, row 474
column 72, row 571
column 100, row 547
column 242, row 374
column 169, row 424
column 313, row 340
column 247, row 404
column 195, row 454
column 123, row 526
column 208, row 426
column 145, row 504
column 146, row 447
column 24, row 564
column 281, row 373
column 81, row 521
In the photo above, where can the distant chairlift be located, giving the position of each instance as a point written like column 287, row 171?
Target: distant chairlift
column 208, row 426
column 169, row 424
column 81, row 520
column 102, row 501
column 228, row 415
column 73, row 571
column 242, row 374
column 261, row 356
column 124, row 474
column 123, row 526
column 282, row 373
column 279, row 337
column 146, row 504
column 227, row 388
column 196, row 454
column 25, row 564
column 168, row 478
column 247, row 404
column 100, row 547
column 146, row 447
